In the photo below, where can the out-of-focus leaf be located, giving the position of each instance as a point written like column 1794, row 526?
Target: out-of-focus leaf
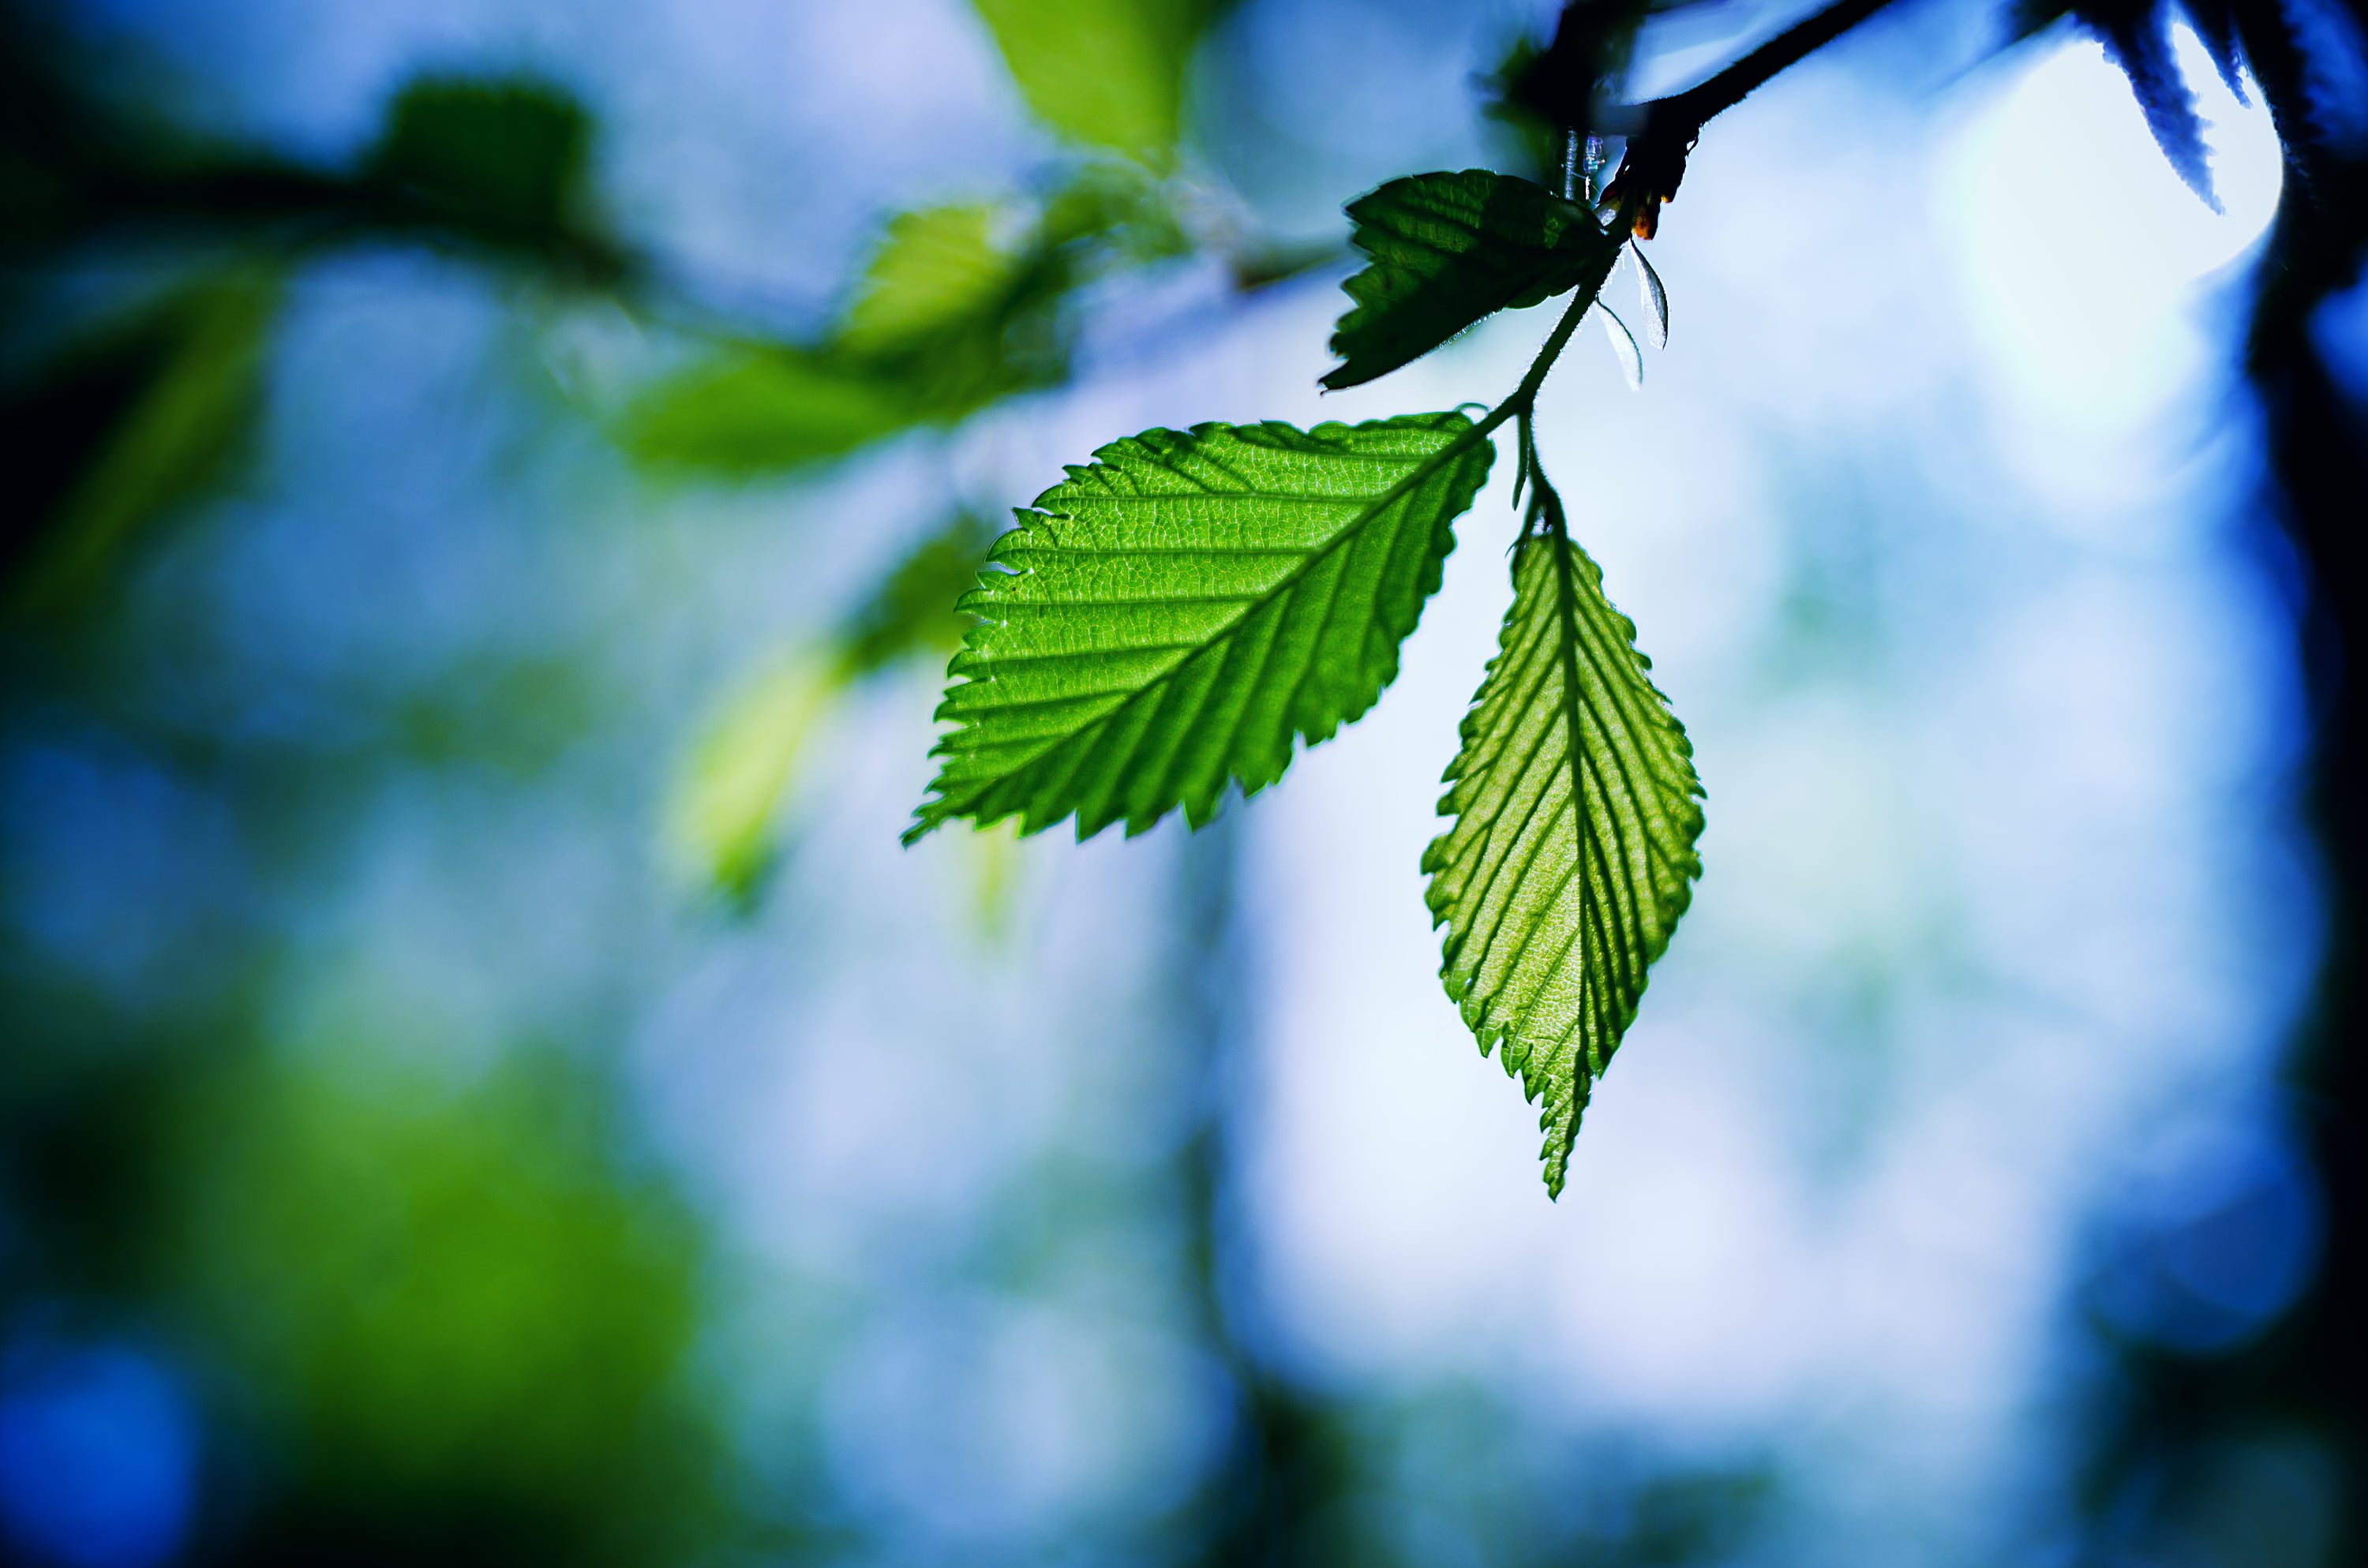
column 719, row 811
column 1450, row 249
column 759, row 409
column 1121, row 206
column 2136, row 33
column 1540, row 141
column 912, row 611
column 996, row 871
column 949, row 318
column 933, row 343
column 954, row 321
column 449, row 1290
column 502, row 162
column 1170, row 619
column 1572, row 855
column 1109, row 72
column 1564, row 85
column 121, row 431
column 937, row 268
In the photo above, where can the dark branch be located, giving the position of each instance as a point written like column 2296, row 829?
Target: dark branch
column 1662, row 132
column 1697, row 106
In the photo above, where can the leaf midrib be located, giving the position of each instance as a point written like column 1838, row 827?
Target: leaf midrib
column 1464, row 441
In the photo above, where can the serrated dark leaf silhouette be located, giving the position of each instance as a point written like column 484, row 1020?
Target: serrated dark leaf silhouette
column 1448, row 250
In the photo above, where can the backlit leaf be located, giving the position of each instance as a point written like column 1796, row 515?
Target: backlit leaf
column 1109, row 72
column 504, row 164
column 721, row 807
column 762, row 408
column 1572, row 855
column 1168, row 619
column 938, row 266
column 1450, row 249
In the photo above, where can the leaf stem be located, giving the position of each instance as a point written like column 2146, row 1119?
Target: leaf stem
column 1526, row 395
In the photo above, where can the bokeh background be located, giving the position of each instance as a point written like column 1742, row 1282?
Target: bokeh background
column 483, row 1083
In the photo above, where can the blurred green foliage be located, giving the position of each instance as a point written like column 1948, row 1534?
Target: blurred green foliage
column 144, row 414
column 756, row 408
column 437, row 1311
column 1106, row 72
column 127, row 418
column 449, row 1290
column 722, row 807
column 912, row 611
column 935, row 269
column 126, row 424
column 500, row 163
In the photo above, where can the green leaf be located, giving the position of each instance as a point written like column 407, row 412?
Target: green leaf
column 506, row 162
column 1450, row 249
column 1572, row 855
column 721, row 809
column 721, row 805
column 949, row 317
column 1109, row 72
column 762, row 408
column 125, row 430
column 1168, row 619
column 938, row 267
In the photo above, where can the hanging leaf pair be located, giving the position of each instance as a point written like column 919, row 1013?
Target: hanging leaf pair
column 1173, row 618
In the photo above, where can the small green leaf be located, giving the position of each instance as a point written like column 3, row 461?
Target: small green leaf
column 951, row 316
column 1450, row 249
column 720, row 806
column 762, row 408
column 1572, row 855
column 1109, row 72
column 1167, row 619
column 723, row 808
column 938, row 267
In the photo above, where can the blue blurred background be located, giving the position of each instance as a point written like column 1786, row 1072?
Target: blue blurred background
column 485, row 1084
